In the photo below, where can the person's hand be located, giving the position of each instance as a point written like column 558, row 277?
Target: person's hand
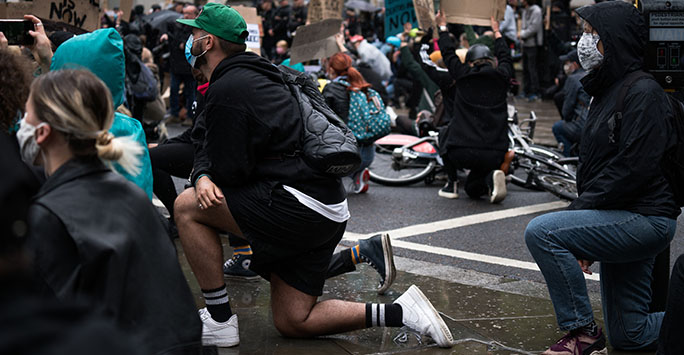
column 556, row 81
column 440, row 19
column 495, row 24
column 41, row 48
column 164, row 37
column 208, row 194
column 270, row 32
column 3, row 41
column 584, row 265
column 152, row 145
column 407, row 27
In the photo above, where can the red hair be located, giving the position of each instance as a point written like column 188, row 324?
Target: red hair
column 341, row 64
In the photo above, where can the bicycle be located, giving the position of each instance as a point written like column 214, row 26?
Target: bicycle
column 404, row 160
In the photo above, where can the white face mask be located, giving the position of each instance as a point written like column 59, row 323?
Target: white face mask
column 589, row 55
column 26, row 136
column 567, row 68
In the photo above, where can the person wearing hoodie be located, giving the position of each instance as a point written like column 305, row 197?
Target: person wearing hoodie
column 253, row 186
column 368, row 53
column 102, row 53
column 625, row 213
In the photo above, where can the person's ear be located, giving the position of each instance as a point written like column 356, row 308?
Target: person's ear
column 43, row 132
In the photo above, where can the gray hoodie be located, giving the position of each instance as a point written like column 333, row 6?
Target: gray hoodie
column 531, row 27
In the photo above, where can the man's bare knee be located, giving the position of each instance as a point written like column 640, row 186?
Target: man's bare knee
column 290, row 327
column 184, row 204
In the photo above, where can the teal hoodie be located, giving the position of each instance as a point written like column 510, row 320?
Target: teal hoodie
column 102, row 53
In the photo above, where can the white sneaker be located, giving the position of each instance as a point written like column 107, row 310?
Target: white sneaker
column 419, row 315
column 221, row 334
column 498, row 192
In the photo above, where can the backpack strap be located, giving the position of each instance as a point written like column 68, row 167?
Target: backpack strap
column 614, row 123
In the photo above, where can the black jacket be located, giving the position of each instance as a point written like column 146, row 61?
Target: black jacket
column 281, row 22
column 337, row 98
column 178, row 35
column 96, row 236
column 480, row 115
column 624, row 174
column 299, row 15
column 252, row 123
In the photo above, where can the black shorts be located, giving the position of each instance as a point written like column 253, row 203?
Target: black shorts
column 287, row 238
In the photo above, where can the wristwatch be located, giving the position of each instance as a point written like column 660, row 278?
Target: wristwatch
column 443, row 29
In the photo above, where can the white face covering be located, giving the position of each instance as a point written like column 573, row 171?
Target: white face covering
column 589, row 55
column 26, row 136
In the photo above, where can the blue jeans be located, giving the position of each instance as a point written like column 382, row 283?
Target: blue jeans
column 567, row 133
column 626, row 245
column 189, row 87
column 367, row 155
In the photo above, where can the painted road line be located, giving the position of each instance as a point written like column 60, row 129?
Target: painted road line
column 474, row 256
column 463, row 221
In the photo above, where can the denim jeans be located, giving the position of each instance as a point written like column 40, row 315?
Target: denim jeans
column 189, row 87
column 567, row 133
column 367, row 155
column 626, row 245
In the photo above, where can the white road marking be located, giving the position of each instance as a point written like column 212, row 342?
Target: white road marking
column 462, row 222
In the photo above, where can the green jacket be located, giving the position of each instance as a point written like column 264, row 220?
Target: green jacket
column 102, row 53
column 418, row 74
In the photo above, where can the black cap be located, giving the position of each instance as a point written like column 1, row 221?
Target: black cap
column 570, row 57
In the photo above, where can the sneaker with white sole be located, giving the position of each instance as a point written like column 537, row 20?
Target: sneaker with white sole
column 377, row 252
column 361, row 181
column 497, row 186
column 576, row 343
column 450, row 190
column 419, row 315
column 221, row 334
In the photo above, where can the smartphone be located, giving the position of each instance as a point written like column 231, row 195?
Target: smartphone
column 16, row 31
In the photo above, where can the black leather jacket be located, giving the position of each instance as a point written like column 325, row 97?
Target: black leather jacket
column 95, row 236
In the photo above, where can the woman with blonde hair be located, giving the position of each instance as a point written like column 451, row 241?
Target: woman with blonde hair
column 94, row 235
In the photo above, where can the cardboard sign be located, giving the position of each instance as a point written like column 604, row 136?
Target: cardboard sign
column 253, row 21
column 474, row 12
column 127, row 7
column 425, row 11
column 320, row 10
column 315, row 41
column 397, row 13
column 16, row 10
column 84, row 14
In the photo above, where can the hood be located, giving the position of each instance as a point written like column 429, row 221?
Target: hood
column 250, row 60
column 623, row 33
column 102, row 53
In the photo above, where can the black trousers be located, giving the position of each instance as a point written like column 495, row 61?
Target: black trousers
column 530, row 71
column 480, row 162
column 671, row 331
column 172, row 159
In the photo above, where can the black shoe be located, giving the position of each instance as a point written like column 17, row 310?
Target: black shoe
column 496, row 181
column 450, row 190
column 377, row 252
column 237, row 267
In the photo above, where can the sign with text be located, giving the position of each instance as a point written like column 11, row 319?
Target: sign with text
column 474, row 12
column 253, row 21
column 397, row 13
column 84, row 14
column 15, row 10
column 425, row 11
column 315, row 41
column 320, row 10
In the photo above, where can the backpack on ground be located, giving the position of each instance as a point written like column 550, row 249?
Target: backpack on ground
column 367, row 116
column 327, row 144
column 672, row 163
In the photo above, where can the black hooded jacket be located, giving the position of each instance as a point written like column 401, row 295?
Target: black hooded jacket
column 624, row 174
column 480, row 113
column 252, row 123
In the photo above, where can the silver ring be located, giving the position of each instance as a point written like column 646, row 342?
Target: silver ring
column 200, row 206
column 39, row 24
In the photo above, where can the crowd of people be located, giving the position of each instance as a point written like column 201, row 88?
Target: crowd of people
column 84, row 124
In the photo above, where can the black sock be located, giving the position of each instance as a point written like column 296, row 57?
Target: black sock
column 590, row 329
column 383, row 315
column 217, row 303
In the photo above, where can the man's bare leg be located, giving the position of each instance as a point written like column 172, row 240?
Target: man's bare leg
column 200, row 241
column 299, row 315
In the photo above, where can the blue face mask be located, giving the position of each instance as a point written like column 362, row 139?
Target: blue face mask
column 188, row 50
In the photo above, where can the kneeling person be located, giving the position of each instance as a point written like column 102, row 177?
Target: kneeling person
column 247, row 183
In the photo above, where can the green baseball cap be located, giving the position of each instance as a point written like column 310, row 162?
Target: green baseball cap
column 222, row 21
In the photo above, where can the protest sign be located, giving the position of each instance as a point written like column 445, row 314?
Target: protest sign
column 126, row 6
column 253, row 21
column 397, row 13
column 84, row 14
column 15, row 10
column 320, row 10
column 474, row 12
column 315, row 41
column 425, row 11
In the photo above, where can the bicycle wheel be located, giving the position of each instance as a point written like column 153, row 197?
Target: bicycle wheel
column 522, row 165
column 560, row 186
column 386, row 170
